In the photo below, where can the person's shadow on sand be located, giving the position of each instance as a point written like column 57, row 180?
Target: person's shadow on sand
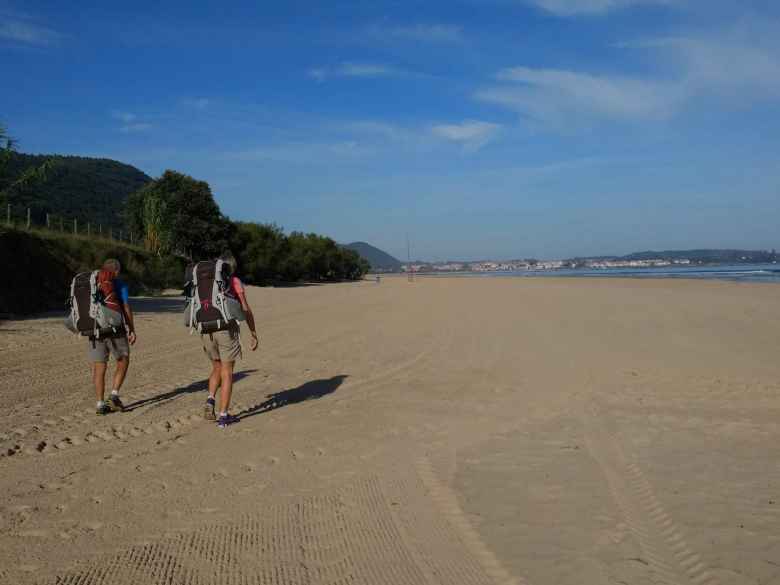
column 199, row 386
column 308, row 391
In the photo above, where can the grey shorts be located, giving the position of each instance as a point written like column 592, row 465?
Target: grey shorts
column 99, row 349
column 222, row 345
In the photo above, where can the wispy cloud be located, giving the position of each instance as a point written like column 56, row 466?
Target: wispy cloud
column 427, row 33
column 556, row 95
column 130, row 122
column 577, row 7
column 137, row 127
column 309, row 153
column 470, row 134
column 351, row 69
column 24, row 32
column 735, row 68
column 126, row 117
column 197, row 103
column 747, row 65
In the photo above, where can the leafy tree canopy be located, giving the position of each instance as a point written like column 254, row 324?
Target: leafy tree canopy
column 177, row 213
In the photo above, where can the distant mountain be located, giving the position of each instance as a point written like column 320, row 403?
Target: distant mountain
column 378, row 259
column 707, row 256
column 72, row 187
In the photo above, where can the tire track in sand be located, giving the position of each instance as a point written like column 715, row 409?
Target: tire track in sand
column 353, row 536
column 661, row 540
column 483, row 566
column 344, row 538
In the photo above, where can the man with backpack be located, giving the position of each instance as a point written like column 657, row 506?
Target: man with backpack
column 216, row 304
column 114, row 295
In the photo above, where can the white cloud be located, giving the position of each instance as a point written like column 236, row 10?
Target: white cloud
column 428, row 33
column 575, row 7
column 555, row 95
column 351, row 69
column 197, row 103
column 728, row 68
column 126, row 117
column 749, row 67
column 137, row 127
column 470, row 134
column 363, row 70
column 26, row 33
column 309, row 153
column 130, row 122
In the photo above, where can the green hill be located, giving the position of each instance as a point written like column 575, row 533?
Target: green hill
column 90, row 190
column 378, row 259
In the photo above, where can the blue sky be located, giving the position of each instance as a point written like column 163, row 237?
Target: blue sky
column 484, row 128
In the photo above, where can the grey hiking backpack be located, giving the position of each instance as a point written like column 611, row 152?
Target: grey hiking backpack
column 90, row 313
column 209, row 304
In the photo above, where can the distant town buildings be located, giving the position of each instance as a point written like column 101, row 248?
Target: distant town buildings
column 535, row 265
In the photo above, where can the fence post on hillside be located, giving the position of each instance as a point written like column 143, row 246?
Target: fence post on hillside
column 89, row 231
column 28, row 218
column 48, row 221
column 131, row 238
column 120, row 235
column 100, row 229
column 75, row 227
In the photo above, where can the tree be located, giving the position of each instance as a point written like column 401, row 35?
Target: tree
column 260, row 250
column 178, row 214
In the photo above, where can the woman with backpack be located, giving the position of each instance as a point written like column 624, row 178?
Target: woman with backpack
column 223, row 346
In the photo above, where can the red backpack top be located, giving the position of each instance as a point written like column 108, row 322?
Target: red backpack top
column 105, row 283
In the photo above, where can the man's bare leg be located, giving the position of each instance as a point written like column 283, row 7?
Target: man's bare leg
column 227, row 386
column 121, row 371
column 99, row 379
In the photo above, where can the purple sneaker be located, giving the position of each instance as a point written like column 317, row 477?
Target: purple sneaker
column 227, row 419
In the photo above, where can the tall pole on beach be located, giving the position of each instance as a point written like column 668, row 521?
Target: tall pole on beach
column 410, row 271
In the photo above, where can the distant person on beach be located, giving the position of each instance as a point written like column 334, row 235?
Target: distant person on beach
column 117, row 345
column 223, row 348
column 377, row 279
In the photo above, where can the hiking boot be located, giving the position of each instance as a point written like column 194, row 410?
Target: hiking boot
column 115, row 404
column 104, row 409
column 226, row 420
column 208, row 411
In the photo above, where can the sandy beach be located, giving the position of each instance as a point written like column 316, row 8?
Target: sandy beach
column 447, row 431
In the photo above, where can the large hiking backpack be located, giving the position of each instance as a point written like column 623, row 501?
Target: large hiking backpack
column 95, row 310
column 209, row 304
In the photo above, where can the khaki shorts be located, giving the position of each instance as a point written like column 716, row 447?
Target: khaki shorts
column 99, row 349
column 222, row 345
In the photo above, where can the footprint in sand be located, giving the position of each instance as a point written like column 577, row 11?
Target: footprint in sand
column 34, row 533
column 29, row 568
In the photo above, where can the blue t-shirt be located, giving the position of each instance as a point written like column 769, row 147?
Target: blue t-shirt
column 122, row 291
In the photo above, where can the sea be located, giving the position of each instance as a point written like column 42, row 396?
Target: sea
column 733, row 272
